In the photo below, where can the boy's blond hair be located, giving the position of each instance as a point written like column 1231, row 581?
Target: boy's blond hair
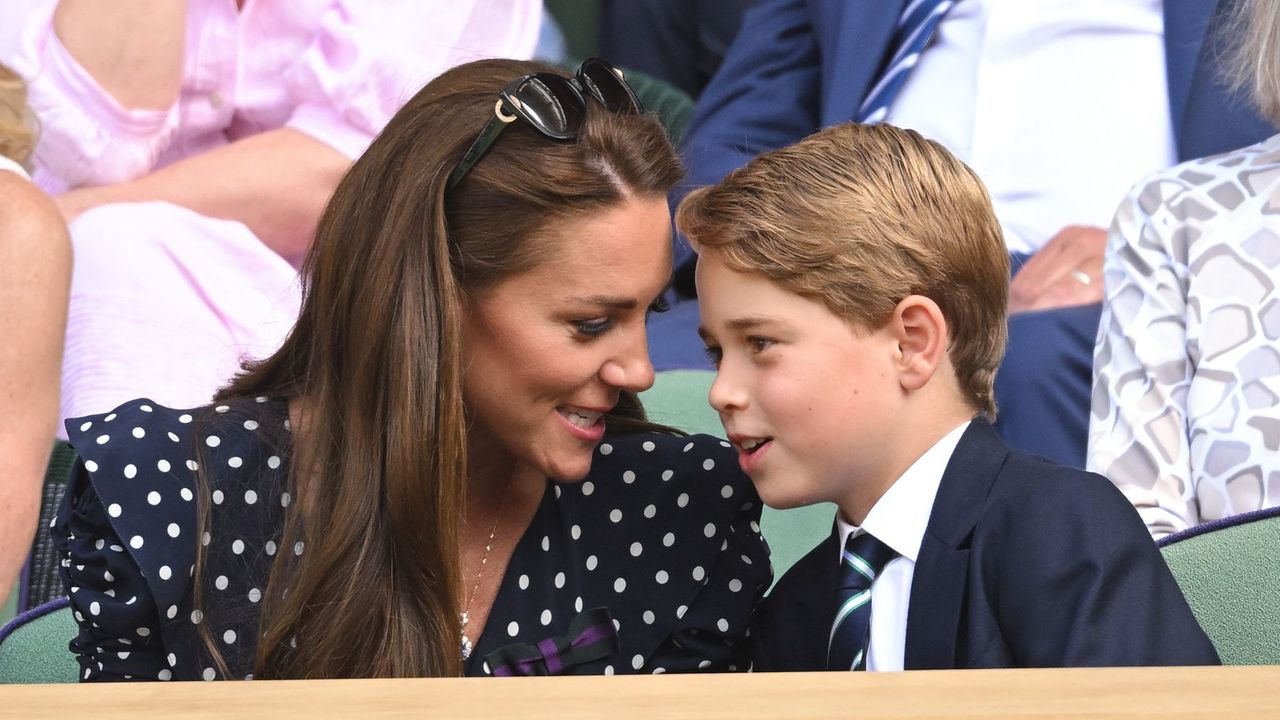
column 858, row 217
column 17, row 127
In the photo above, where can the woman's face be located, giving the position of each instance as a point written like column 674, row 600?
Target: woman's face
column 548, row 351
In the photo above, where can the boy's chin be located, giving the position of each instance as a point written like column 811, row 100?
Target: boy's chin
column 782, row 493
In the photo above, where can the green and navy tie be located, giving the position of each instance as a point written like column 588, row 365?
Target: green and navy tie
column 862, row 560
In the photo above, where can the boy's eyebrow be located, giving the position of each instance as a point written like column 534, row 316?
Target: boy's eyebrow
column 739, row 324
column 749, row 322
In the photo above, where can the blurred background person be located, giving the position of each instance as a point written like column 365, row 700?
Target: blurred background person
column 1058, row 105
column 194, row 143
column 35, row 274
column 1186, row 395
column 680, row 41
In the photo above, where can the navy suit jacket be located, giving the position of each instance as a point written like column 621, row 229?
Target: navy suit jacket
column 1025, row 563
column 798, row 66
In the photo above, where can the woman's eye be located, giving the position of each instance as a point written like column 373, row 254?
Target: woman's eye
column 713, row 354
column 759, row 344
column 659, row 305
column 593, row 327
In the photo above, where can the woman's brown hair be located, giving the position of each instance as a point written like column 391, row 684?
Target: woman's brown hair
column 380, row 459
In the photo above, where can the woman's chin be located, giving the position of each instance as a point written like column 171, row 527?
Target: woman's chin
column 568, row 469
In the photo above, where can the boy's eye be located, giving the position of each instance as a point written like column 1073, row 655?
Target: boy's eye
column 759, row 344
column 593, row 327
column 713, row 354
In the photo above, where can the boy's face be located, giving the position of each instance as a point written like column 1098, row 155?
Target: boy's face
column 808, row 400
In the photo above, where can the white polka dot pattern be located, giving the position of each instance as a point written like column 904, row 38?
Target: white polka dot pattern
column 662, row 534
column 125, row 547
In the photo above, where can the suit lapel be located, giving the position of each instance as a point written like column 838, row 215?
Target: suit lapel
column 1186, row 23
column 940, row 583
column 858, row 41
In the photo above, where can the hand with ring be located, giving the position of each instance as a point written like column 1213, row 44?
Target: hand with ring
column 1062, row 273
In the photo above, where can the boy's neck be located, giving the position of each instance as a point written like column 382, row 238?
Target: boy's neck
column 922, row 430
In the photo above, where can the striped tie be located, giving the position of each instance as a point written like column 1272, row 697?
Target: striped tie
column 863, row 559
column 915, row 28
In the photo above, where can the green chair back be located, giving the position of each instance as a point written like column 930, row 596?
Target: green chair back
column 40, row 581
column 33, row 646
column 579, row 21
column 679, row 398
column 1230, row 574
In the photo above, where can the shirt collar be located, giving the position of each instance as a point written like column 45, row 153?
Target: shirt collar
column 901, row 516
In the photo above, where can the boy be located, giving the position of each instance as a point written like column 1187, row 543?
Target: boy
column 853, row 289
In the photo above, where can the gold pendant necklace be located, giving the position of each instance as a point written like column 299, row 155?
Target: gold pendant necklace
column 465, row 617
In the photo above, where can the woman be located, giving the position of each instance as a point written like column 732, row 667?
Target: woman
column 35, row 272
column 445, row 468
column 192, row 145
column 1186, row 400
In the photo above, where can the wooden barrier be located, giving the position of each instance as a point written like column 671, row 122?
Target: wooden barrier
column 1157, row 693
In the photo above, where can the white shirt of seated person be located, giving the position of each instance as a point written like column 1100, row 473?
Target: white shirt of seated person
column 1058, row 105
column 899, row 519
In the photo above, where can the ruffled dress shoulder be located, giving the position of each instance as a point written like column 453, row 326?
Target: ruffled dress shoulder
column 131, row 525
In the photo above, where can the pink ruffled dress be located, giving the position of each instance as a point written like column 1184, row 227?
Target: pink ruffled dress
column 166, row 302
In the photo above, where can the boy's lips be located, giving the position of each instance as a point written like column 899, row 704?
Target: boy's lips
column 751, row 449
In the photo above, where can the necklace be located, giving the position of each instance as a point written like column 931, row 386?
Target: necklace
column 465, row 617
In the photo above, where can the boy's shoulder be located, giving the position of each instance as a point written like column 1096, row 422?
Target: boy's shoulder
column 1031, row 495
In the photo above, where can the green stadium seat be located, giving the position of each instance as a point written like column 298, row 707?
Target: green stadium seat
column 1229, row 571
column 33, row 646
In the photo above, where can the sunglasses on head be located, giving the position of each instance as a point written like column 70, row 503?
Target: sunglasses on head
column 553, row 105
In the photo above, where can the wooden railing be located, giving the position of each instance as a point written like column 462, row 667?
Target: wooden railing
column 1157, row 693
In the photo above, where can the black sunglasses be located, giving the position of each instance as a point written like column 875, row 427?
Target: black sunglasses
column 553, row 104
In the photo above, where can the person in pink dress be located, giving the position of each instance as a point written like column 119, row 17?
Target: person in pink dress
column 192, row 145
column 35, row 271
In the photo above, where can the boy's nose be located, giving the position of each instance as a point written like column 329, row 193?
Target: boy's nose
column 726, row 394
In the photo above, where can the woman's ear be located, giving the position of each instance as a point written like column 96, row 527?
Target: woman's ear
column 922, row 335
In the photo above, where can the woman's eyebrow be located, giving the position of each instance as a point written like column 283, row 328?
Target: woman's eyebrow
column 612, row 301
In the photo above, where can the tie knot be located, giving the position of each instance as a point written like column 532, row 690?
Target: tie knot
column 863, row 558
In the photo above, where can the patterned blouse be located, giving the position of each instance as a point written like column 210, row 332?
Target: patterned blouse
column 652, row 564
column 1186, row 392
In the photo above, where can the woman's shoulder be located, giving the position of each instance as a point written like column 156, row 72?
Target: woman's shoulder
column 143, row 432
column 146, row 471
column 148, row 466
column 1206, row 188
column 674, row 458
column 646, row 472
column 27, row 214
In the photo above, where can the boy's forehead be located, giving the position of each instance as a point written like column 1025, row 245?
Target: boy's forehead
column 732, row 299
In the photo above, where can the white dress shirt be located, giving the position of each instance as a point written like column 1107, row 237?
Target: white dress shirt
column 899, row 520
column 1060, row 106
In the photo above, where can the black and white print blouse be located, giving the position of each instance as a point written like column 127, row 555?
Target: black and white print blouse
column 651, row 564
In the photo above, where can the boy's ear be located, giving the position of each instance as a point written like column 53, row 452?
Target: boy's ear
column 922, row 335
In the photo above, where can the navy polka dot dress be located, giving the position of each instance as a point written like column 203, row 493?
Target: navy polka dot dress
column 651, row 564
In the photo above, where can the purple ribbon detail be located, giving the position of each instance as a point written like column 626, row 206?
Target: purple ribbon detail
column 591, row 636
